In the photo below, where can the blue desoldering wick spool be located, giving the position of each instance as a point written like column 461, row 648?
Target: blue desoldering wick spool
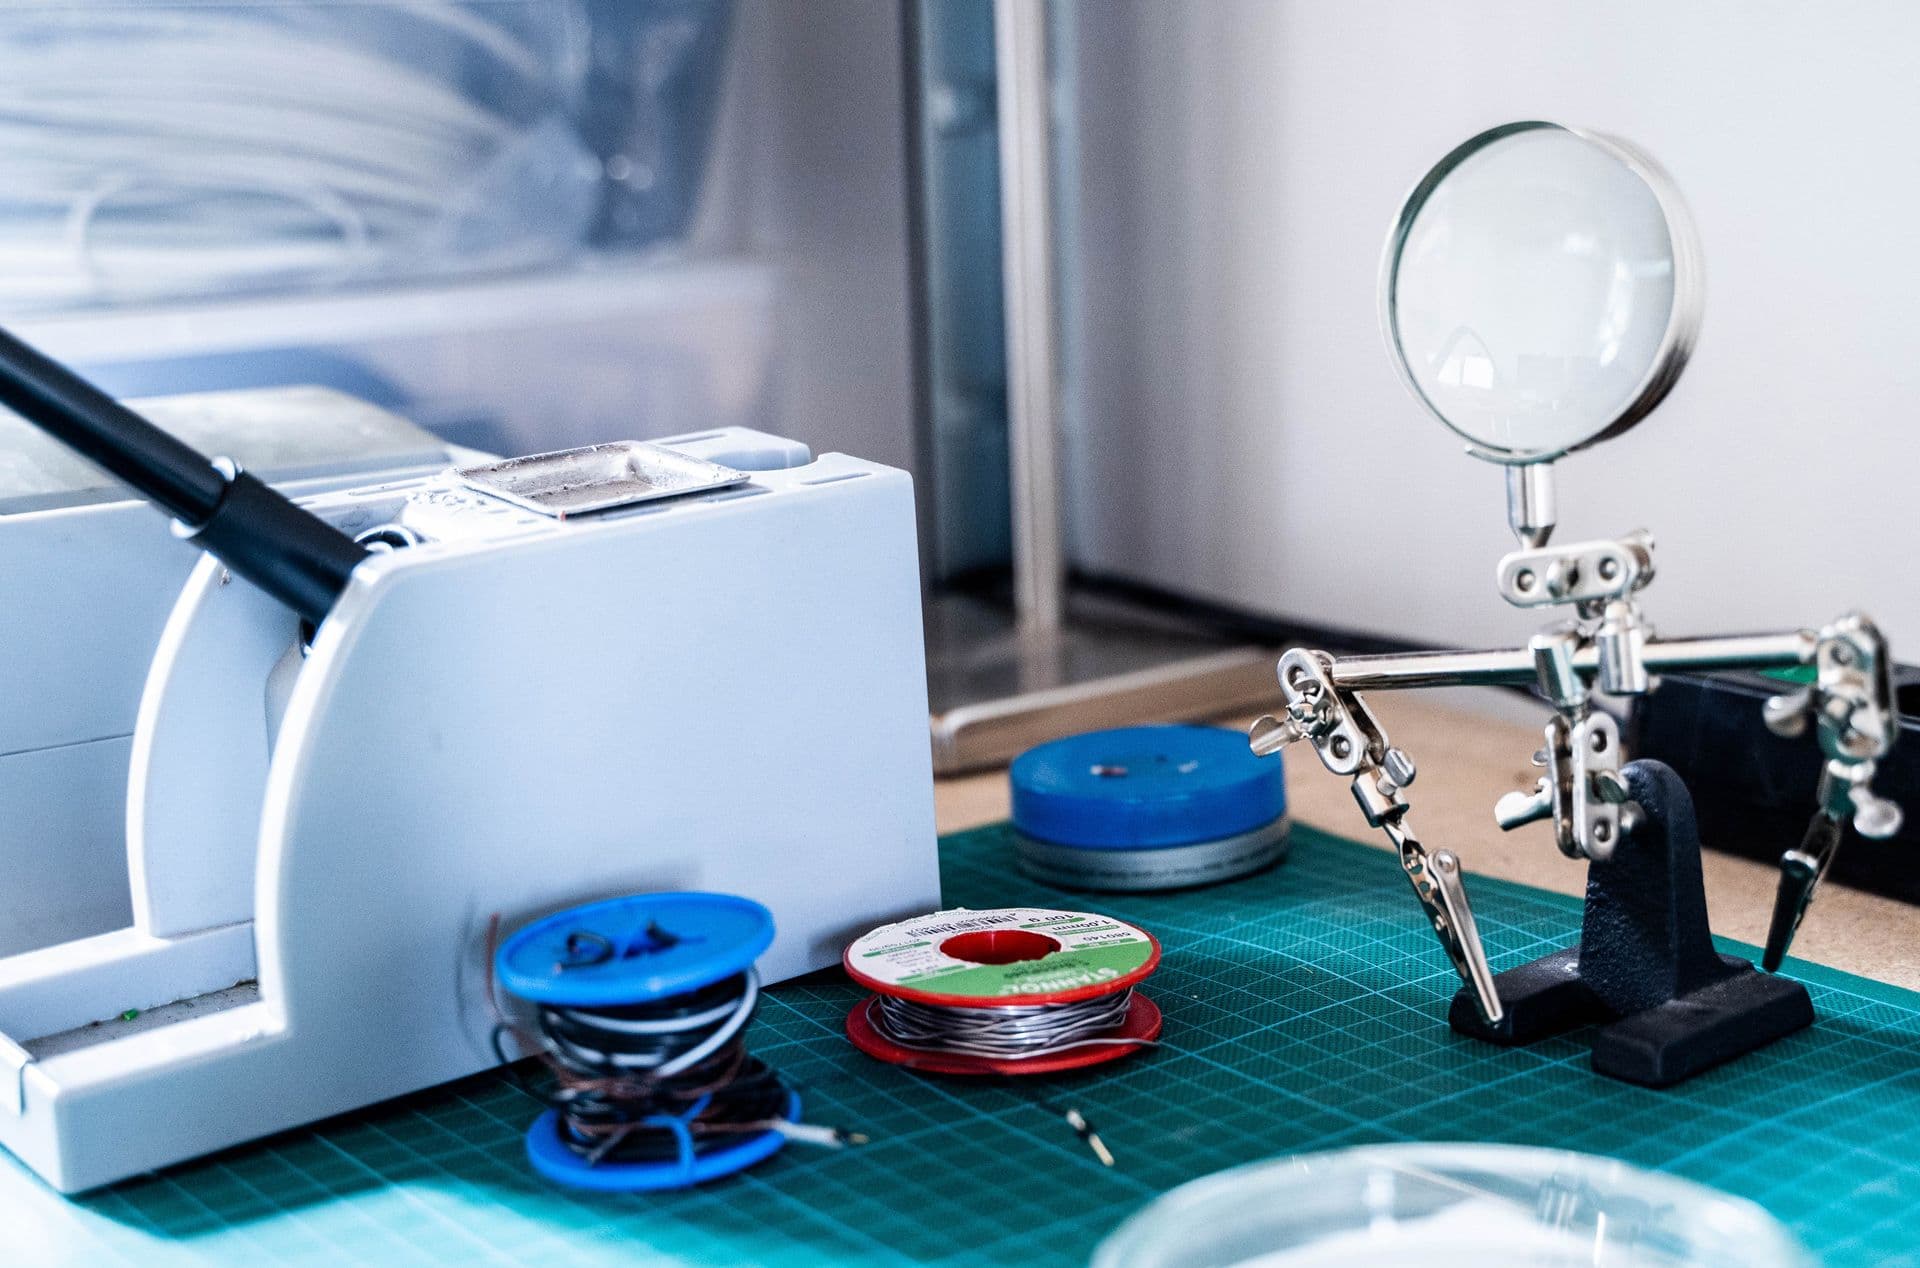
column 627, row 967
column 1148, row 808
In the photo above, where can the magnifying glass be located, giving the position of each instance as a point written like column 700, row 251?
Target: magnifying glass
column 1541, row 290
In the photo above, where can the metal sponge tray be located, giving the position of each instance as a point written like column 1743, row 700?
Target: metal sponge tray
column 598, row 477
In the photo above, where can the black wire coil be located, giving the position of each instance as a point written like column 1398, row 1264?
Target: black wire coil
column 629, row 1080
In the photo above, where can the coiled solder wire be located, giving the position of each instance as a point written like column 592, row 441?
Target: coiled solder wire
column 622, row 1070
column 1009, row 1033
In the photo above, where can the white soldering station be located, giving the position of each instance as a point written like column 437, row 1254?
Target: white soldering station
column 696, row 665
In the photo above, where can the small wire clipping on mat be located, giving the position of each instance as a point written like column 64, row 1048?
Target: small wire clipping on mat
column 641, row 1008
column 1020, row 990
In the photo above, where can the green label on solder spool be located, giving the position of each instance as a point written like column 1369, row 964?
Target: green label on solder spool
column 1014, row 951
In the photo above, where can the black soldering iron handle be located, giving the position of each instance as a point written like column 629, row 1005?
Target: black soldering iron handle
column 290, row 553
column 286, row 551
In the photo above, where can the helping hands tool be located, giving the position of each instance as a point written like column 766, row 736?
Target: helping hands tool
column 1541, row 291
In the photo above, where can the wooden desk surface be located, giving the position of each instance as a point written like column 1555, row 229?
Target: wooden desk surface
column 1467, row 759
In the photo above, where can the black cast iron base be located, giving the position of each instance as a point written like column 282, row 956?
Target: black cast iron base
column 1645, row 970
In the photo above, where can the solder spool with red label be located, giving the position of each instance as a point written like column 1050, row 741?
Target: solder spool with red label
column 1008, row 958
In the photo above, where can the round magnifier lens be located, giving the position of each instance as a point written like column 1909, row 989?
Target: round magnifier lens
column 1541, row 290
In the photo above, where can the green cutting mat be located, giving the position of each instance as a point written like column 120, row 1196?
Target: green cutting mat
column 1304, row 1011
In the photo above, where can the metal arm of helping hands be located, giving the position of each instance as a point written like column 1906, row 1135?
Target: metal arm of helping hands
column 1608, row 647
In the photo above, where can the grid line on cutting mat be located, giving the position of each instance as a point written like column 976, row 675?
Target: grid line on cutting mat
column 1305, row 1010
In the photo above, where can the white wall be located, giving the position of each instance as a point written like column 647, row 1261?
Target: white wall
column 1240, row 431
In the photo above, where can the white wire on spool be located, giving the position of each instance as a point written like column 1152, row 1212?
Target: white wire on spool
column 146, row 149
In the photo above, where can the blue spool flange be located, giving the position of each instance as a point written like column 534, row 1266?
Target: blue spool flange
column 1149, row 807
column 552, row 1159
column 636, row 950
column 655, row 945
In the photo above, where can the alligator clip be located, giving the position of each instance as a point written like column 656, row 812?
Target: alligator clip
column 1443, row 894
column 1800, row 871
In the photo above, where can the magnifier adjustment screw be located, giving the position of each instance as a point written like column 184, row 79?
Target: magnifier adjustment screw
column 1610, row 788
column 1786, row 716
column 1517, row 809
column 1398, row 766
column 1269, row 735
column 1875, row 817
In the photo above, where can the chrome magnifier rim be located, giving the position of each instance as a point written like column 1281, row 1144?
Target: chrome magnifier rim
column 1683, row 318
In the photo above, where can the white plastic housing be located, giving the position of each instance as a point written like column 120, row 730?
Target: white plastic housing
column 724, row 692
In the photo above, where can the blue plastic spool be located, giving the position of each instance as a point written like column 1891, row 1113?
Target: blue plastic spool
column 1148, row 807
column 637, row 950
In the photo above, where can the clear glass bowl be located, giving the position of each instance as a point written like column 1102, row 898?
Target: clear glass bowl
column 1448, row 1206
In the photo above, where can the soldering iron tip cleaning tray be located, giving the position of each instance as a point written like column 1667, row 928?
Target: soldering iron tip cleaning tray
column 599, row 477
